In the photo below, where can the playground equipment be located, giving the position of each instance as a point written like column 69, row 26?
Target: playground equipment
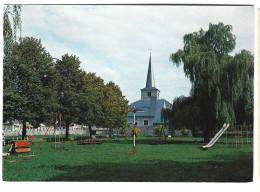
column 20, row 147
column 89, row 141
column 217, row 136
column 57, row 140
column 239, row 135
column 5, row 154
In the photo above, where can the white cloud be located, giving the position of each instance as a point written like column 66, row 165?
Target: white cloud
column 115, row 41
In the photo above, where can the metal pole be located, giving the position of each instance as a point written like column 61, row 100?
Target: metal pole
column 134, row 111
column 134, row 132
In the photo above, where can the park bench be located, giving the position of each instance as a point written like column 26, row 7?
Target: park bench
column 20, row 146
column 89, row 141
column 80, row 138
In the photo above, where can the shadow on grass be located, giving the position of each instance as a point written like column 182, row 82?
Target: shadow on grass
column 151, row 141
column 159, row 171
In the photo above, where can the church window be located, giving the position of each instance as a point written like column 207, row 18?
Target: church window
column 149, row 94
column 145, row 122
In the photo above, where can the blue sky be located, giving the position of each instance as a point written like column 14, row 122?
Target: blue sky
column 115, row 41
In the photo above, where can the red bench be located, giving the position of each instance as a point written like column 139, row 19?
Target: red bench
column 20, row 147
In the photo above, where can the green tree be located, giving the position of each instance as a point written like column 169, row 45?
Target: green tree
column 115, row 107
column 218, row 80
column 70, row 78
column 11, row 23
column 10, row 28
column 91, row 97
column 184, row 113
column 241, row 73
column 101, row 104
column 30, row 96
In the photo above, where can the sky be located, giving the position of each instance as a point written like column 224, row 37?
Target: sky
column 115, row 41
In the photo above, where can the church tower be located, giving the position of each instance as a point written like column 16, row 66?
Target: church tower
column 150, row 104
column 150, row 91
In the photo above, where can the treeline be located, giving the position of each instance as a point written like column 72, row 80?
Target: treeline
column 36, row 86
column 222, row 85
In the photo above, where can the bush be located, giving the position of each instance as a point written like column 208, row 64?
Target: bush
column 196, row 132
column 172, row 132
column 124, row 131
column 185, row 132
column 158, row 130
column 137, row 132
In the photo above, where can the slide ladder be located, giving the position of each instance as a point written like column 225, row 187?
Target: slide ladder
column 217, row 136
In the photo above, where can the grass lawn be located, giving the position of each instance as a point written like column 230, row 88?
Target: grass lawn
column 113, row 161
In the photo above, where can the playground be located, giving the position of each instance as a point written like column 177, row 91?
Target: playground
column 180, row 159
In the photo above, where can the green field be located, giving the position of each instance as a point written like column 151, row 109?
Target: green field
column 113, row 160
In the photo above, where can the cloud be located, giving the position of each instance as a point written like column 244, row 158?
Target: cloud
column 115, row 41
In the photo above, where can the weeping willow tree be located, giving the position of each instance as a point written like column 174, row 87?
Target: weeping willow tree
column 222, row 85
column 184, row 114
column 12, row 24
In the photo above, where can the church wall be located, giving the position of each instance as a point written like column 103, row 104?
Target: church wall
column 140, row 120
column 146, row 130
column 154, row 94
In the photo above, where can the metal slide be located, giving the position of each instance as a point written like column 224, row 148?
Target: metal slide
column 217, row 136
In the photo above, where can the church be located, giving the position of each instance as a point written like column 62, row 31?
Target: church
column 151, row 105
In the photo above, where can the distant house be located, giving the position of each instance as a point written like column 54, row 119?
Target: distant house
column 11, row 128
column 150, row 103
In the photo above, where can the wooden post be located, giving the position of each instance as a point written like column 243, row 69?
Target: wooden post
column 236, row 134
column 134, row 132
column 226, row 137
column 242, row 134
column 61, row 132
column 247, row 133
column 46, row 133
column 134, row 111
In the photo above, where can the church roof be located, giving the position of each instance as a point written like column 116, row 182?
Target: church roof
column 150, row 76
column 150, row 105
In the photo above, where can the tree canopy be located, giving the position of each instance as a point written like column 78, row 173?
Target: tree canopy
column 222, row 85
column 29, row 96
column 36, row 87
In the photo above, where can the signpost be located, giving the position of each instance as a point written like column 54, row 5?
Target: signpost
column 134, row 110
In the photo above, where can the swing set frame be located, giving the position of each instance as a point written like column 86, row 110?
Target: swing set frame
column 57, row 118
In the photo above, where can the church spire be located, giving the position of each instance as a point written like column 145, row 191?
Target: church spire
column 150, row 76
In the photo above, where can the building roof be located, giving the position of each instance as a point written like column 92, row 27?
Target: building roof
column 151, row 106
column 150, row 76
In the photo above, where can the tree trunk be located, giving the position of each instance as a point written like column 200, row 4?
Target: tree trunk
column 206, row 134
column 24, row 130
column 90, row 131
column 110, row 132
column 67, row 131
column 164, row 133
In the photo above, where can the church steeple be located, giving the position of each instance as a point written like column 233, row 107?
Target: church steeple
column 150, row 76
column 150, row 91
